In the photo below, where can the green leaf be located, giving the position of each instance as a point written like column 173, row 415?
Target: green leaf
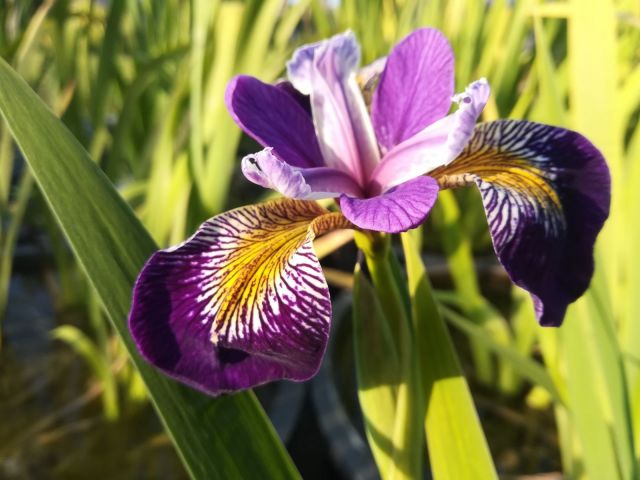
column 226, row 437
column 99, row 364
column 598, row 401
column 458, row 249
column 550, row 100
column 378, row 369
column 522, row 364
column 457, row 446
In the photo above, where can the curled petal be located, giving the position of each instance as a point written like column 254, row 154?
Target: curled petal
column 327, row 72
column 274, row 118
column 436, row 145
column 264, row 169
column 415, row 87
column 240, row 303
column 399, row 209
column 546, row 193
column 471, row 103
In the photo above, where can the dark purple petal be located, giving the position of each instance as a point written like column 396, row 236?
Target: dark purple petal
column 274, row 118
column 240, row 303
column 399, row 209
column 303, row 100
column 268, row 171
column 546, row 192
column 415, row 87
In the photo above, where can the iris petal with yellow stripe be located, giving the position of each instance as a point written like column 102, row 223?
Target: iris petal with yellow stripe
column 240, row 303
column 546, row 194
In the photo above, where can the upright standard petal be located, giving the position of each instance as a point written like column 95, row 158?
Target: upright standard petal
column 546, row 193
column 399, row 209
column 240, row 303
column 274, row 118
column 415, row 87
column 435, row 146
column 327, row 72
column 264, row 169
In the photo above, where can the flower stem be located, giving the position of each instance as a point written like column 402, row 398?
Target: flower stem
column 406, row 435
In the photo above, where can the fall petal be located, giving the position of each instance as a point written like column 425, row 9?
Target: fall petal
column 546, row 193
column 240, row 303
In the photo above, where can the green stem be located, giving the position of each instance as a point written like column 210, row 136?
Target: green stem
column 377, row 255
column 407, row 436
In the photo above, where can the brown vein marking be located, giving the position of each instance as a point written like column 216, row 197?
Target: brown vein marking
column 278, row 229
column 497, row 168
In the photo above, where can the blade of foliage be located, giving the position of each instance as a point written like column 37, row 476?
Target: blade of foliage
column 227, row 437
column 457, row 446
column 457, row 247
column 550, row 101
column 107, row 61
column 522, row 364
column 377, row 369
column 599, row 401
column 630, row 334
column 83, row 346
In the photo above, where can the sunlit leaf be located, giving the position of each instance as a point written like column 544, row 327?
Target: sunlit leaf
column 227, row 437
column 457, row 446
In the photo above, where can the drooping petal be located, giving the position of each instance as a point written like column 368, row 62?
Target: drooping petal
column 546, row 193
column 436, row 145
column 399, row 209
column 274, row 118
column 266, row 170
column 415, row 87
column 327, row 72
column 240, row 303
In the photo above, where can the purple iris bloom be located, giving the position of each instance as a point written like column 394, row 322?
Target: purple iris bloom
column 375, row 163
column 244, row 301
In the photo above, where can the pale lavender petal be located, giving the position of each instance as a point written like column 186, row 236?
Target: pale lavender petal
column 275, row 119
column 415, row 87
column 300, row 67
column 403, row 207
column 471, row 102
column 327, row 72
column 268, row 171
column 240, row 303
column 437, row 145
column 264, row 169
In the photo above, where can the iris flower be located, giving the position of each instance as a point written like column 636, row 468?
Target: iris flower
column 244, row 301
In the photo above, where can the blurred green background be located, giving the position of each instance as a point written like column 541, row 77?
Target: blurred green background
column 140, row 84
